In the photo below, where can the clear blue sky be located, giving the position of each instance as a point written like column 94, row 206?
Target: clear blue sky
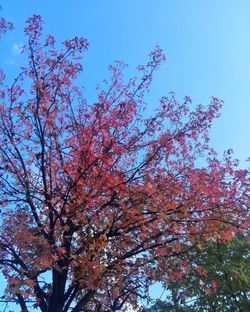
column 207, row 43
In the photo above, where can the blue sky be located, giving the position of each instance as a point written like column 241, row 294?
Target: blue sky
column 207, row 44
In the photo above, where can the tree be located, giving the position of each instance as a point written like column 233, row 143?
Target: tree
column 218, row 281
column 5, row 25
column 95, row 196
column 168, row 306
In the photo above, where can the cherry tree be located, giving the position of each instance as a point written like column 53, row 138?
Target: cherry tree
column 99, row 200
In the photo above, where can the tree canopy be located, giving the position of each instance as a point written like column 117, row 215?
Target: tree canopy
column 99, row 200
column 5, row 25
column 219, row 279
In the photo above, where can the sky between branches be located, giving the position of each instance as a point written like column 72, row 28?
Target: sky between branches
column 207, row 44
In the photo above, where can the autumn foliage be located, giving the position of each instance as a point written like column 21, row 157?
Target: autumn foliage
column 5, row 25
column 99, row 200
column 218, row 280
